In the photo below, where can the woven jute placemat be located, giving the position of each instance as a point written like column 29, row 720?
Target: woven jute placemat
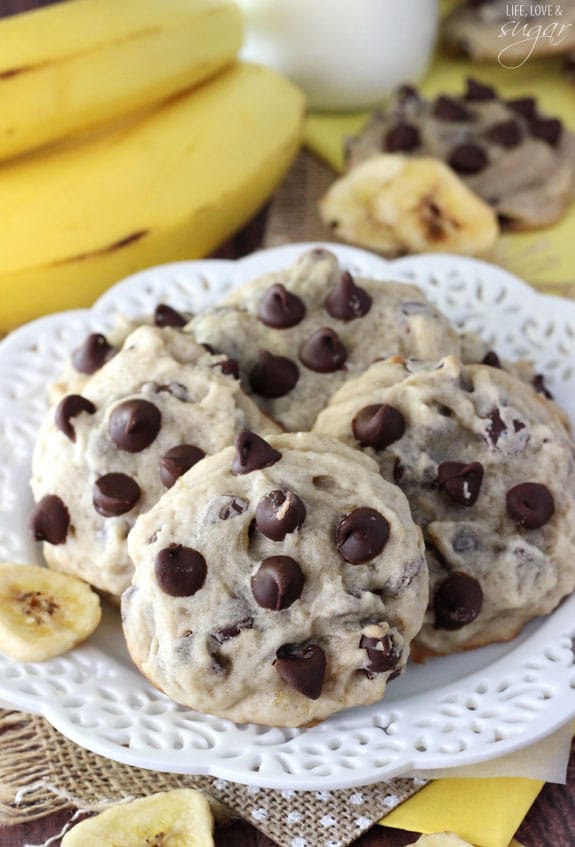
column 41, row 771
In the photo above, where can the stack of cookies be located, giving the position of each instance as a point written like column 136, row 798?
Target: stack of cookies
column 296, row 490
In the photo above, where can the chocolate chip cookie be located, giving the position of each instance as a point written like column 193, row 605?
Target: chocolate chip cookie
column 293, row 593
column 103, row 456
column 489, row 472
column 518, row 159
column 300, row 333
column 512, row 33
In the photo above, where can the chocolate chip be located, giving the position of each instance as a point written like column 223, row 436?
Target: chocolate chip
column 496, row 427
column 402, row 137
column 92, row 353
column 405, row 94
column 273, row 376
column 229, row 367
column 302, row 668
column 457, row 602
column 526, row 107
column 530, row 504
column 478, row 91
column 50, row 520
column 506, row 133
column 378, row 426
column 234, row 506
column 280, row 309
column 468, row 159
column 134, row 424
column 549, row 130
column 115, row 494
column 323, row 352
column 166, row 316
column 69, row 407
column 232, row 630
column 177, row 461
column 253, row 453
column 180, row 571
column 279, row 513
column 460, row 481
column 448, row 109
column 465, row 540
column 381, row 653
column 347, row 300
column 362, row 535
column 540, row 387
column 278, row 583
column 492, row 359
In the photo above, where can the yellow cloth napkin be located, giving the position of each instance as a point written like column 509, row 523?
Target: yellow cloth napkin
column 545, row 258
column 486, row 811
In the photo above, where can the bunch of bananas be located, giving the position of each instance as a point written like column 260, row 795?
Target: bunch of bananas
column 130, row 135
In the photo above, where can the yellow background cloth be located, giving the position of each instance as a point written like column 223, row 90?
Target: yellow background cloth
column 545, row 257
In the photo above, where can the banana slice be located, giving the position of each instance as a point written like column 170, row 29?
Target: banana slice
column 398, row 204
column 440, row 839
column 43, row 613
column 178, row 818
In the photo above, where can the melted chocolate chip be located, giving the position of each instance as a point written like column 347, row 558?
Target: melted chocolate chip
column 468, row 159
column 278, row 583
column 280, row 309
column 180, row 571
column 232, row 630
column 460, row 481
column 492, row 359
column 362, row 535
column 478, row 91
column 177, row 461
column 506, row 134
column 253, row 453
column 448, row 109
column 115, row 494
column 302, row 668
column 540, row 387
column 273, row 376
column 549, row 130
column 457, row 601
column 92, row 354
column 496, row 427
column 526, row 107
column 234, row 506
column 166, row 316
column 378, row 426
column 381, row 652
column 69, row 407
column 229, row 367
column 323, row 352
column 530, row 504
column 50, row 520
column 134, row 424
column 347, row 300
column 278, row 513
column 402, row 137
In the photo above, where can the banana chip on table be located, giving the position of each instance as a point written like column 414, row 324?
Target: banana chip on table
column 440, row 839
column 43, row 613
column 395, row 204
column 178, row 818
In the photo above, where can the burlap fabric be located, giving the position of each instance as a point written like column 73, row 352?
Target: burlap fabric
column 41, row 771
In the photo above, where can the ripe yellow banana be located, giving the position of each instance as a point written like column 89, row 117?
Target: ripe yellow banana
column 177, row 818
column 72, row 66
column 172, row 185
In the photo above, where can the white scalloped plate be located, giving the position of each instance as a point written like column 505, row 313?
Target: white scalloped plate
column 452, row 711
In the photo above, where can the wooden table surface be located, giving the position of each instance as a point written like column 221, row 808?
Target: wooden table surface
column 551, row 820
